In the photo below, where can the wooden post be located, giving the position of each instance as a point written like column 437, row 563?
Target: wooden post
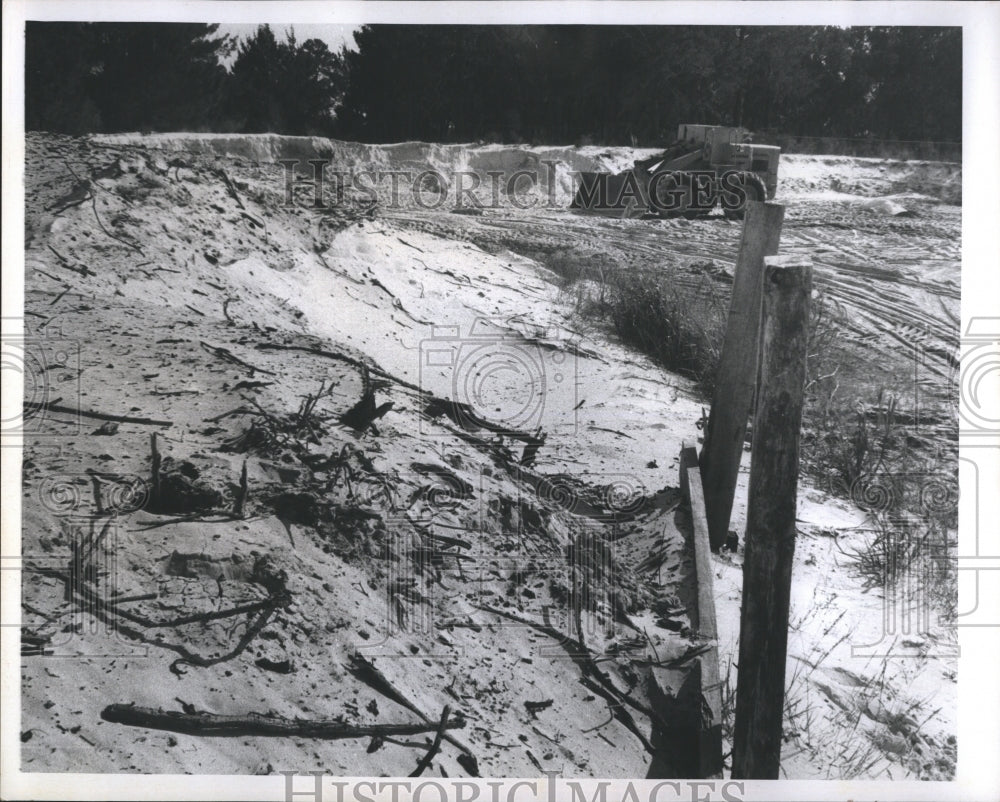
column 154, row 492
column 727, row 420
column 241, row 497
column 687, row 697
column 770, row 535
column 709, row 735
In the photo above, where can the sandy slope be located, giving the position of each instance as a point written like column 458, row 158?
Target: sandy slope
column 163, row 256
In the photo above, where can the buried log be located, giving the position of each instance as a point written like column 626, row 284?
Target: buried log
column 211, row 724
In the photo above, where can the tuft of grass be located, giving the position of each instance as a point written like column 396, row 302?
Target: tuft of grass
column 841, row 446
column 680, row 329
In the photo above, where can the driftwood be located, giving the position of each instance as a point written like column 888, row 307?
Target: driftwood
column 83, row 413
column 364, row 670
column 112, row 614
column 210, row 724
column 230, row 187
column 531, row 448
column 425, row 761
column 338, row 356
column 229, row 356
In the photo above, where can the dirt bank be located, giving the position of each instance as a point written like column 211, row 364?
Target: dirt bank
column 432, row 553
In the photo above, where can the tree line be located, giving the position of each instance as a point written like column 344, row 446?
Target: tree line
column 553, row 84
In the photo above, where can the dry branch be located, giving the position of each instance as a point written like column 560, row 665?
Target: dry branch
column 425, row 761
column 229, row 186
column 64, row 262
column 229, row 356
column 132, row 245
column 83, row 413
column 365, row 670
column 210, row 724
column 342, row 357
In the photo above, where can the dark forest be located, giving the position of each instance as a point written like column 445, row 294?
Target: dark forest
column 555, row 84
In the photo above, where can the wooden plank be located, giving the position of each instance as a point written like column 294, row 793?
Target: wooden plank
column 770, row 536
column 691, row 487
column 734, row 389
column 705, row 624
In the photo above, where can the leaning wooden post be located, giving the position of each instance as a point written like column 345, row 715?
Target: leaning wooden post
column 734, row 387
column 154, row 492
column 770, row 535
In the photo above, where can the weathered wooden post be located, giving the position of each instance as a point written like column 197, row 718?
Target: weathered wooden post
column 687, row 739
column 770, row 535
column 727, row 421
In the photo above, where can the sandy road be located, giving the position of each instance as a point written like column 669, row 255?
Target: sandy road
column 894, row 279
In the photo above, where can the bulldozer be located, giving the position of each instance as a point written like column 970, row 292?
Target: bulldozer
column 707, row 166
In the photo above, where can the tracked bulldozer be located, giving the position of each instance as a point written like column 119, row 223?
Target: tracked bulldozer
column 707, row 166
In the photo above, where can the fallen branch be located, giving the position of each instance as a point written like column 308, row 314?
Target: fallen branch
column 342, row 357
column 53, row 407
column 49, row 275
column 64, row 262
column 229, row 186
column 231, row 413
column 425, row 761
column 210, row 724
column 410, row 245
column 112, row 614
column 364, row 670
column 229, row 356
column 97, row 603
column 132, row 245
